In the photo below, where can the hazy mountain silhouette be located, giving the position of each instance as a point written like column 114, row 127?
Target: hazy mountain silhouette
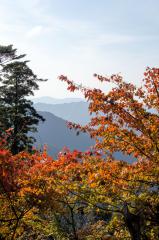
column 50, row 100
column 75, row 112
column 54, row 133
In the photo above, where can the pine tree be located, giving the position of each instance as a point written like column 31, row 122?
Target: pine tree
column 17, row 82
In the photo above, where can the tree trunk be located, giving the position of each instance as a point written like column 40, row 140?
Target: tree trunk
column 133, row 223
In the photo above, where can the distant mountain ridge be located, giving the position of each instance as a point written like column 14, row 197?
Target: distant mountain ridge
column 75, row 111
column 51, row 100
column 55, row 134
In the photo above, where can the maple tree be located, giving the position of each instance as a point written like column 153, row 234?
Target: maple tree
column 126, row 120
column 14, row 206
column 31, row 202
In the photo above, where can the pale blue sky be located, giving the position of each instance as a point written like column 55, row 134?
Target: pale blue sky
column 80, row 37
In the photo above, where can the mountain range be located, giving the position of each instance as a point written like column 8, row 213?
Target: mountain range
column 75, row 111
column 51, row 100
column 54, row 132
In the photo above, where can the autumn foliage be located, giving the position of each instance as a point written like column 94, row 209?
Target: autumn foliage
column 91, row 195
column 126, row 120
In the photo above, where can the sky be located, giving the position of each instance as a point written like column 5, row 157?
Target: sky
column 78, row 38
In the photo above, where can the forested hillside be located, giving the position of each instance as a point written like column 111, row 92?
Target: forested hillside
column 80, row 194
column 79, row 120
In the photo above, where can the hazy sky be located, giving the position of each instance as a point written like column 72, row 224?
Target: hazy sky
column 80, row 37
